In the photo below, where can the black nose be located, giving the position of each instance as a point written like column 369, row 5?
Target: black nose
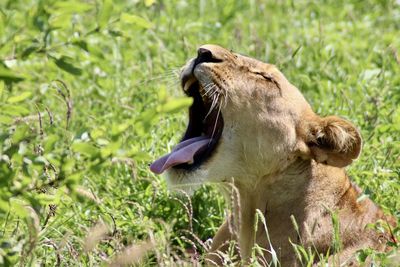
column 205, row 55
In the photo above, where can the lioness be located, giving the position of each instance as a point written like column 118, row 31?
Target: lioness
column 249, row 126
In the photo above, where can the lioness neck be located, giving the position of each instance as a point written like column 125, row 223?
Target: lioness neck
column 307, row 192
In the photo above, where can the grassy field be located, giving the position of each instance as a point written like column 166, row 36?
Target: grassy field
column 89, row 96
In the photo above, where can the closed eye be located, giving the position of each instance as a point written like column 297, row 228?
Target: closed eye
column 269, row 77
column 264, row 75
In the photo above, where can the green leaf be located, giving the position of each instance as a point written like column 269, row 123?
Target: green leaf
column 2, row 87
column 49, row 142
column 81, row 44
column 4, row 205
column 18, row 208
column 45, row 198
column 6, row 119
column 61, row 21
column 28, row 51
column 140, row 155
column 9, row 76
column 149, row 3
column 65, row 64
column 72, row 7
column 117, row 129
column 73, row 179
column 19, row 98
column 96, row 133
column 176, row 104
column 85, row 148
column 68, row 165
column 136, row 20
column 15, row 110
column 162, row 94
column 105, row 13
column 21, row 133
column 110, row 149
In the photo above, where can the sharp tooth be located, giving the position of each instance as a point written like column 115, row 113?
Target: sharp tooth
column 188, row 84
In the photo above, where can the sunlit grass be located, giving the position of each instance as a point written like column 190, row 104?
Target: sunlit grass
column 119, row 61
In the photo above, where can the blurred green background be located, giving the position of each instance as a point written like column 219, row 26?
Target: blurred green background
column 89, row 95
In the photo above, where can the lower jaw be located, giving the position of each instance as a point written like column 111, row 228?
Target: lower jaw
column 186, row 181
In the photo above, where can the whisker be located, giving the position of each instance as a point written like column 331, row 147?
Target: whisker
column 172, row 73
column 209, row 90
column 215, row 124
column 205, row 89
column 225, row 95
column 208, row 87
column 205, row 92
column 169, row 75
column 211, row 107
column 213, row 104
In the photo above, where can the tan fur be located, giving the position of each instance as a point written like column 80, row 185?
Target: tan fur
column 283, row 160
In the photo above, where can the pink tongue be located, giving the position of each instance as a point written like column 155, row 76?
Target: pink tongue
column 182, row 153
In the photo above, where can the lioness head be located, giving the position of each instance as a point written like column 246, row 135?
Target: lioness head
column 248, row 122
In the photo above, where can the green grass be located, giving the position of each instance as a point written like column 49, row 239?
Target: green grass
column 115, row 64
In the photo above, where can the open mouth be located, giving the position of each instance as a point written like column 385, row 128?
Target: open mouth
column 202, row 134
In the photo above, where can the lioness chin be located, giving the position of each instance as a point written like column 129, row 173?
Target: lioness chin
column 249, row 127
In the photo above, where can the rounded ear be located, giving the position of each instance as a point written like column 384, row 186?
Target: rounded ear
column 334, row 141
